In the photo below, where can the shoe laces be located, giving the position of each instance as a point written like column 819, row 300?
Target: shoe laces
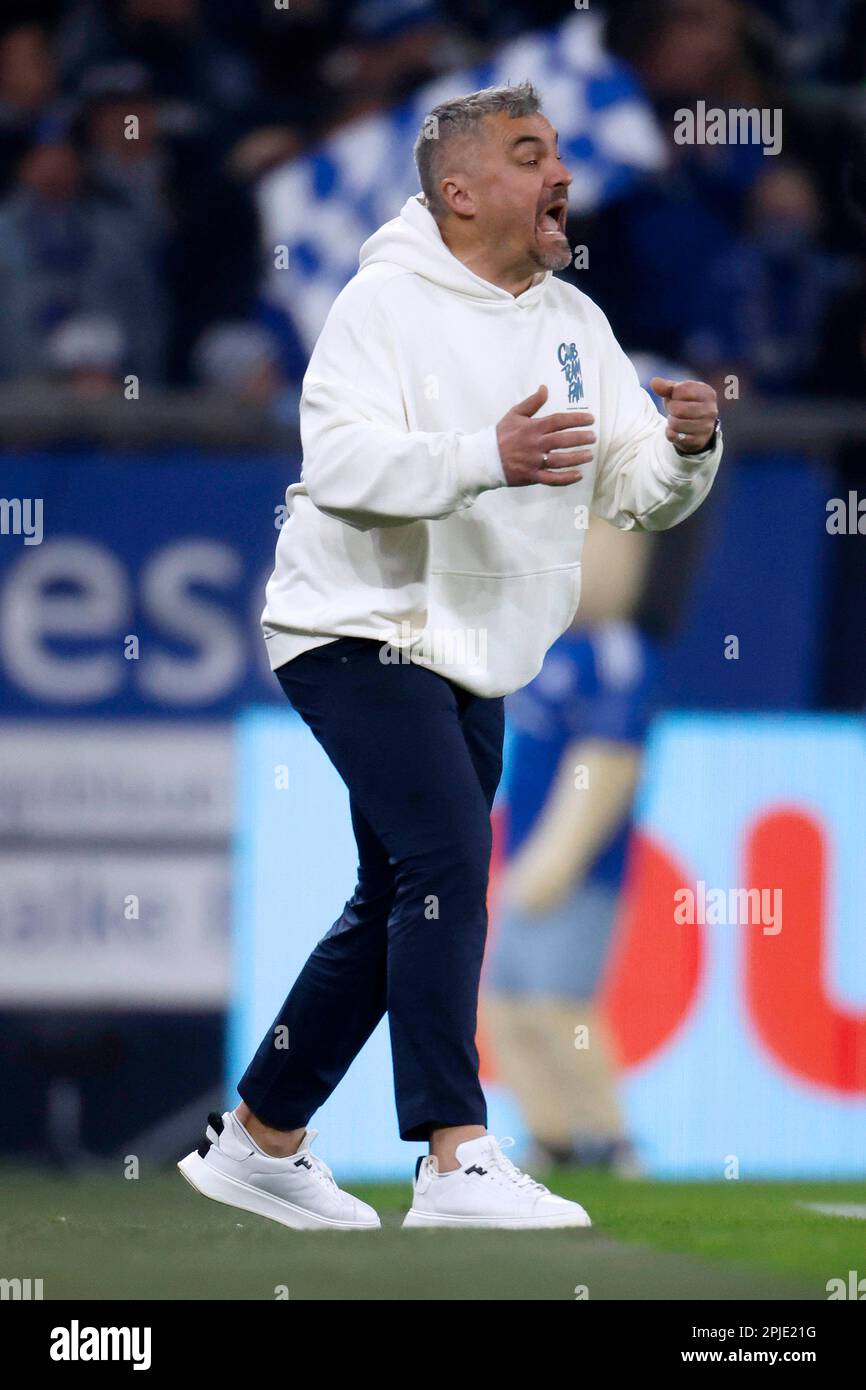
column 510, row 1170
column 320, row 1168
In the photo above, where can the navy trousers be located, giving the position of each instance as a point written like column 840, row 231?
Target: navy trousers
column 422, row 758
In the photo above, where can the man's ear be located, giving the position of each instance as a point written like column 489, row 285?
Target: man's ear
column 457, row 197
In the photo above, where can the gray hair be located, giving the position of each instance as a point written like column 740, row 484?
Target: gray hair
column 461, row 116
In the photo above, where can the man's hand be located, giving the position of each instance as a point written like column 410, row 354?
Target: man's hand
column 546, row 450
column 692, row 411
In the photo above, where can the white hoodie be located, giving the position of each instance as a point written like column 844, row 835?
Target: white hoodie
column 402, row 528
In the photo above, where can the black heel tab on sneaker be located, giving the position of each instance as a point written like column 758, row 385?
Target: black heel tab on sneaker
column 418, row 1161
column 216, row 1126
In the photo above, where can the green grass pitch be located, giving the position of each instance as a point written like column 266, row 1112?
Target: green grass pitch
column 105, row 1236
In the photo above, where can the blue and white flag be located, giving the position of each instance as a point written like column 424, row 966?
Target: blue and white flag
column 323, row 206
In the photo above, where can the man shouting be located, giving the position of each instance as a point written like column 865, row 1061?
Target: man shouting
column 462, row 413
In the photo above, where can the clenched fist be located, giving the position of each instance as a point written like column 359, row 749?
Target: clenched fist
column 692, row 411
column 547, row 450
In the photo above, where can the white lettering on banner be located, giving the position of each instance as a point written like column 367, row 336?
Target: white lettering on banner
column 218, row 664
column 66, row 606
column 116, row 780
column 30, row 614
column 64, row 937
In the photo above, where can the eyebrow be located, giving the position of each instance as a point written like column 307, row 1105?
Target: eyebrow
column 535, row 140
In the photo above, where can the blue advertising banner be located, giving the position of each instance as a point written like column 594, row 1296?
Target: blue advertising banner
column 132, row 584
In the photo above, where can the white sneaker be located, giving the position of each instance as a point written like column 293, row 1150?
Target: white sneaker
column 298, row 1191
column 487, row 1190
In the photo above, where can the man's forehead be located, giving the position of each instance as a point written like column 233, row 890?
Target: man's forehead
column 511, row 130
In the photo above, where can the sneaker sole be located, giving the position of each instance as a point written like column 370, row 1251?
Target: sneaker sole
column 416, row 1220
column 221, row 1188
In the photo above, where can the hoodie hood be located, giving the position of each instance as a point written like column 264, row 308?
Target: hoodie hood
column 413, row 241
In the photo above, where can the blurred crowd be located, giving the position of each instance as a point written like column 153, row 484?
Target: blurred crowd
column 133, row 134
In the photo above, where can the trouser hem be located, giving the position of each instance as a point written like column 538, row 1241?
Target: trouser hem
column 415, row 1131
column 271, row 1116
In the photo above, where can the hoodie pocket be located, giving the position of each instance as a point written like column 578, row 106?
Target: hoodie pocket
column 501, row 625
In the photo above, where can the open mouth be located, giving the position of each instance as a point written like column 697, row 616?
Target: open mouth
column 552, row 220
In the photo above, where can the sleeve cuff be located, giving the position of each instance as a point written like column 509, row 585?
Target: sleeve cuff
column 479, row 463
column 681, row 468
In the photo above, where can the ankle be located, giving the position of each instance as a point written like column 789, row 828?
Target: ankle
column 276, row 1143
column 444, row 1142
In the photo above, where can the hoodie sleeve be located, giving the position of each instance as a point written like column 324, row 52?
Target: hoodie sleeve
column 642, row 482
column 362, row 464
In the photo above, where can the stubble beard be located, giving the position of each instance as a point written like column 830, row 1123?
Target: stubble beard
column 554, row 257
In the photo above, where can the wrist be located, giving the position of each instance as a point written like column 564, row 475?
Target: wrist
column 705, row 448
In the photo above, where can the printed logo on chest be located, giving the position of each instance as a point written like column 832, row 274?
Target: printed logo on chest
column 569, row 362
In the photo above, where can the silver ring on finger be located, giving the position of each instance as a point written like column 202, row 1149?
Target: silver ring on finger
column 545, row 458
column 682, row 436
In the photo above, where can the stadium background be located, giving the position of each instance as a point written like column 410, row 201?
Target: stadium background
column 157, row 298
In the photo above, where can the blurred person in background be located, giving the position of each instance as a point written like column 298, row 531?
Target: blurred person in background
column 739, row 246
column 772, row 289
column 490, row 20
column 64, row 252
column 86, row 353
column 127, row 163
column 387, row 50
column 28, row 88
column 815, row 38
column 188, row 192
column 322, row 62
column 204, row 83
column 194, row 93
column 686, row 50
column 242, row 361
column 215, row 256
column 575, row 760
column 655, row 249
column 574, row 767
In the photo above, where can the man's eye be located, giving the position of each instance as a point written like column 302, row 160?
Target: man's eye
column 530, row 161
